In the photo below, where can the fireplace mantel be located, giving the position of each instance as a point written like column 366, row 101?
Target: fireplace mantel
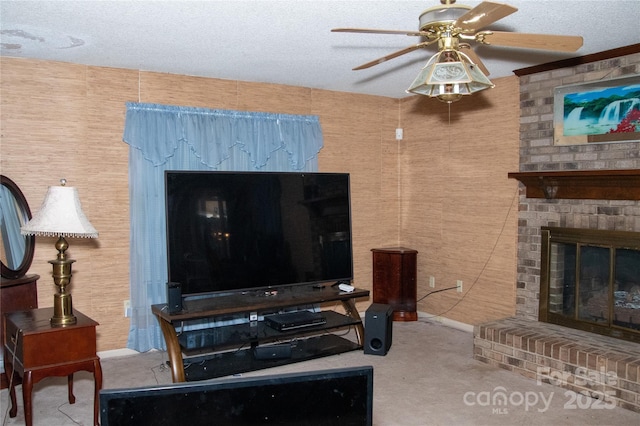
column 582, row 184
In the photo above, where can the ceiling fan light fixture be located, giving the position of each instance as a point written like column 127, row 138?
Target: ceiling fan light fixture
column 448, row 76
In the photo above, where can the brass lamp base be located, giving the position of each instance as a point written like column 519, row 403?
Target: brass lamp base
column 62, row 310
column 62, row 306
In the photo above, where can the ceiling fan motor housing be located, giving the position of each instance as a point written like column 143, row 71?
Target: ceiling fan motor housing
column 437, row 18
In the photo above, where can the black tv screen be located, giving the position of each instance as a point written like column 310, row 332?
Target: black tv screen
column 232, row 231
column 328, row 397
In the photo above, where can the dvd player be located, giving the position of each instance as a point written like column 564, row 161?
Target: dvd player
column 294, row 320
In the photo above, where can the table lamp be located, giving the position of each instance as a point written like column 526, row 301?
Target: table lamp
column 61, row 216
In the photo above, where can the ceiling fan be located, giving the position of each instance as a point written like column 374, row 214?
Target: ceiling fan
column 455, row 70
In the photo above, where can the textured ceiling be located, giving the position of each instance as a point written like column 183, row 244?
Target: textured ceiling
column 288, row 42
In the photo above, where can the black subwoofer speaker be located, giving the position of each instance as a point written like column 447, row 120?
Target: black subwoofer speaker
column 378, row 329
column 174, row 297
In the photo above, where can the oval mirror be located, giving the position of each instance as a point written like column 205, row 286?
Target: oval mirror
column 17, row 249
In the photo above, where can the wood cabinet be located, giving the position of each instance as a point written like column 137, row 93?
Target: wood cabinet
column 394, row 281
column 16, row 295
column 207, row 350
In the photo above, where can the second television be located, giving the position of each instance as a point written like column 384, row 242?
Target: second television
column 241, row 231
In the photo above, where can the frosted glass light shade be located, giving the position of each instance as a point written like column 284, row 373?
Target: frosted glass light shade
column 448, row 76
column 60, row 215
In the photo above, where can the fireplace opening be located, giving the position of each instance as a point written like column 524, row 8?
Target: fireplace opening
column 590, row 280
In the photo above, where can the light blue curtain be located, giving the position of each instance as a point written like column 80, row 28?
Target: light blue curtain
column 165, row 137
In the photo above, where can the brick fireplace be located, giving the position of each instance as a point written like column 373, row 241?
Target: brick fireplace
column 570, row 187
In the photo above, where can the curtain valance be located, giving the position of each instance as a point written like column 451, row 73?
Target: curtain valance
column 156, row 130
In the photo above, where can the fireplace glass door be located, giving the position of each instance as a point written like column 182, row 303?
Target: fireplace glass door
column 590, row 280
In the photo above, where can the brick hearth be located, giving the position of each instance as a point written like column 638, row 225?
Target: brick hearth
column 586, row 363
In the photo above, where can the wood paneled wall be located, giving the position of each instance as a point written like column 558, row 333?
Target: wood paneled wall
column 459, row 209
column 442, row 190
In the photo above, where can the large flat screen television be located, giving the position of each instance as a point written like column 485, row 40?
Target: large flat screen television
column 342, row 396
column 236, row 231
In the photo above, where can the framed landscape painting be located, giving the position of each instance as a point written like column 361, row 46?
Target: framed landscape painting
column 598, row 111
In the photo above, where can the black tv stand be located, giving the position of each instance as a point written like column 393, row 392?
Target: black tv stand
column 226, row 350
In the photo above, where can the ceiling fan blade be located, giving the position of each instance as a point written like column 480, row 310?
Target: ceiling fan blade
column 558, row 43
column 392, row 55
column 466, row 49
column 482, row 15
column 375, row 31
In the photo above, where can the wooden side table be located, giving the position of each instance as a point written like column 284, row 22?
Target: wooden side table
column 394, row 281
column 34, row 349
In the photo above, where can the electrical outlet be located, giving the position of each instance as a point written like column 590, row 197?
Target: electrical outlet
column 127, row 308
column 459, row 286
column 432, row 282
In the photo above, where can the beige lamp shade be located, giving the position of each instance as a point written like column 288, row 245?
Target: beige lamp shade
column 60, row 215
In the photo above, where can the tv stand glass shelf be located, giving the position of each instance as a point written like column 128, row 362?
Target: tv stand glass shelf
column 229, row 349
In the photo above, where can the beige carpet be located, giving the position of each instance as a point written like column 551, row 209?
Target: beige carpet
column 427, row 378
